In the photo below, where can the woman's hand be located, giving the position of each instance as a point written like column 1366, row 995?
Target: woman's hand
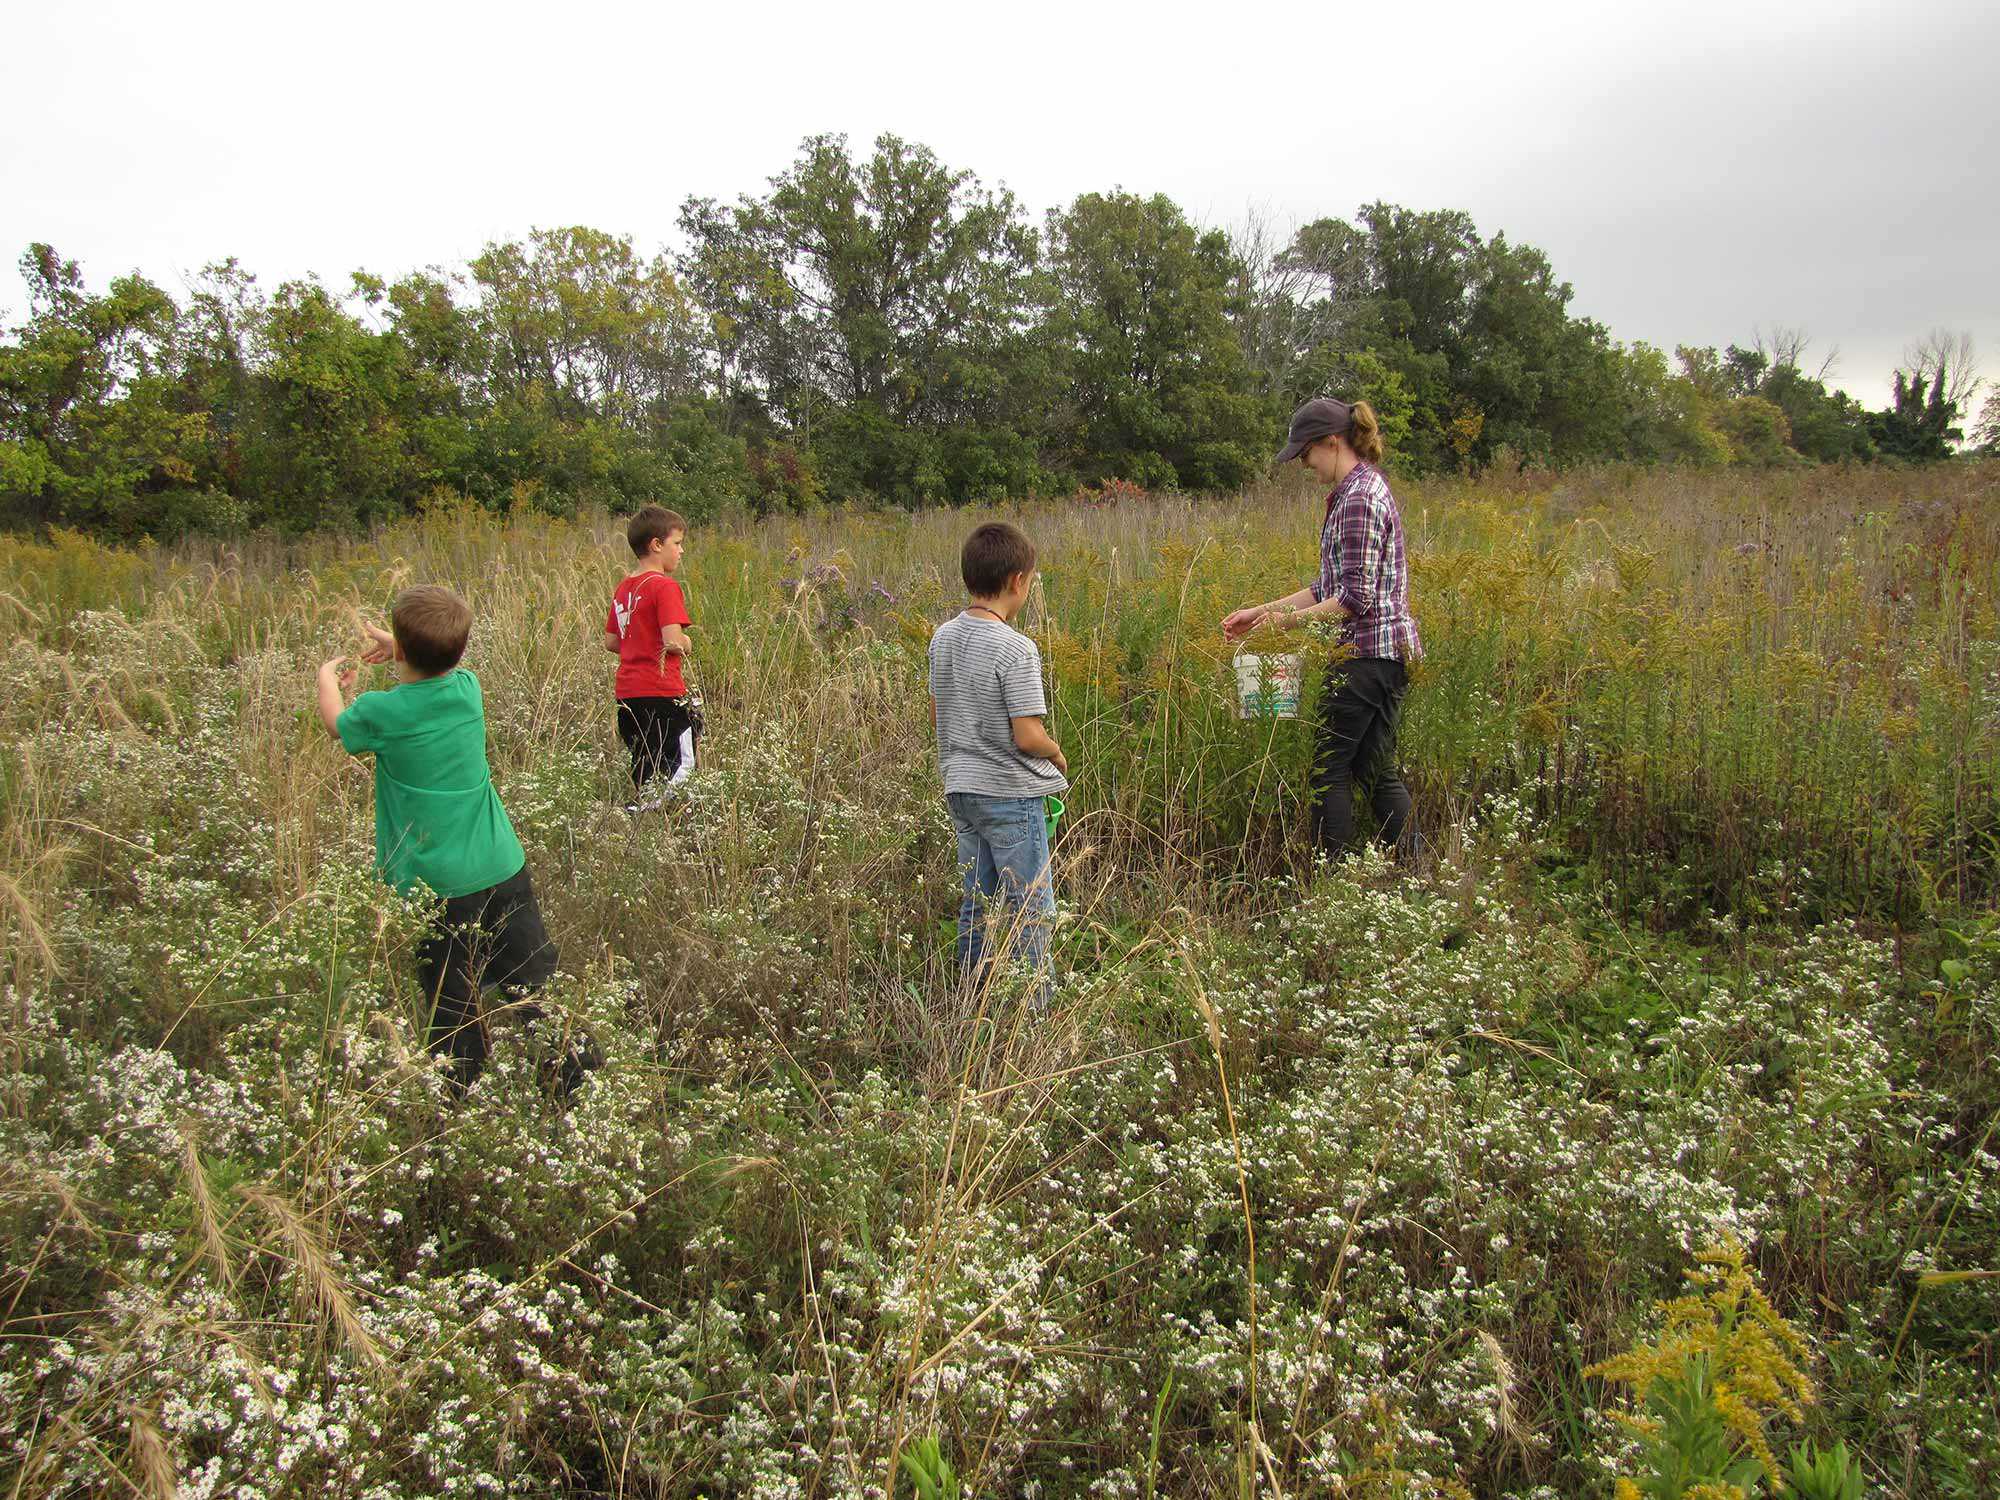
column 1243, row 621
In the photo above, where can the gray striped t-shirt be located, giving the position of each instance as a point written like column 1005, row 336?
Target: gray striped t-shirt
column 985, row 675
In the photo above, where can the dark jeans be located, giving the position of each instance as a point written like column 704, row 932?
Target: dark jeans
column 490, row 939
column 661, row 734
column 1357, row 743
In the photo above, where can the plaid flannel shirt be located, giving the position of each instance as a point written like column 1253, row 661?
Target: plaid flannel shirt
column 1363, row 565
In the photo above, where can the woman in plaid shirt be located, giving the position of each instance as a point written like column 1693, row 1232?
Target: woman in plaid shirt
column 1364, row 582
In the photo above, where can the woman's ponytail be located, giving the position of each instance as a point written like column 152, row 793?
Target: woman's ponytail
column 1364, row 434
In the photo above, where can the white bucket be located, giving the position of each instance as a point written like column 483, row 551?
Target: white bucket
column 1267, row 686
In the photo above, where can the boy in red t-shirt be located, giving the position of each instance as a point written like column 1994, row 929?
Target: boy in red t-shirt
column 647, row 630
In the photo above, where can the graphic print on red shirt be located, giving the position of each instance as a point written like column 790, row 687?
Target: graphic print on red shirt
column 640, row 607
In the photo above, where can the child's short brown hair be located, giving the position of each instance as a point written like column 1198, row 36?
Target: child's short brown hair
column 653, row 523
column 993, row 554
column 430, row 623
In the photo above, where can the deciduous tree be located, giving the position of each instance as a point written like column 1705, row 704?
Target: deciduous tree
column 875, row 306
column 1156, row 389
column 90, row 432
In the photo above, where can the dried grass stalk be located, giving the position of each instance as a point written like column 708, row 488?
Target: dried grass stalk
column 215, row 1249
column 327, row 1289
column 153, row 1459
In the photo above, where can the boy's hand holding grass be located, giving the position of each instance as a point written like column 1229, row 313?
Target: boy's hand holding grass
column 336, row 681
column 380, row 645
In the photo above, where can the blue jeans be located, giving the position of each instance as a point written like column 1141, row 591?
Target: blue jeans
column 1003, row 859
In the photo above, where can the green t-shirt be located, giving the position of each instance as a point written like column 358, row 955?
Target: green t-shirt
column 437, row 817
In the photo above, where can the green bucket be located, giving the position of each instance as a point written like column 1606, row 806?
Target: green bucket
column 1052, row 811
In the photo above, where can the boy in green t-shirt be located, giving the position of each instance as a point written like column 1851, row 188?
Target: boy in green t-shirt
column 439, row 822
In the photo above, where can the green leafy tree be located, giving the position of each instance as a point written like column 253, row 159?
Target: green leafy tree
column 1826, row 427
column 91, row 433
column 593, row 356
column 1363, row 375
column 875, row 326
column 1731, row 427
column 328, row 444
column 577, row 319
column 1155, row 386
column 1324, row 279
column 1745, row 370
column 1818, row 425
column 1422, row 270
column 1663, row 414
column 1581, row 410
column 1756, row 430
column 744, row 298
column 1479, row 333
column 1707, row 372
column 1543, row 381
column 213, row 365
column 443, row 361
column 1337, row 316
column 1921, row 423
column 876, row 306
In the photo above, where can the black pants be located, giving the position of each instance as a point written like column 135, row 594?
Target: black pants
column 490, row 939
column 1357, row 743
column 661, row 734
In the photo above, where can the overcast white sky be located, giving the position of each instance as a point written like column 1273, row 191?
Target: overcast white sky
column 1692, row 170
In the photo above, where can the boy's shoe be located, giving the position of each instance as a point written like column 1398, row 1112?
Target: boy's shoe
column 563, row 1075
column 560, row 1072
column 655, row 795
column 651, row 798
column 462, row 1072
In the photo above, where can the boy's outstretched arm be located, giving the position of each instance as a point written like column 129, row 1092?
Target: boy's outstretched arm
column 335, row 679
column 675, row 640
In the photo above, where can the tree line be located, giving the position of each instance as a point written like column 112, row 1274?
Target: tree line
column 880, row 328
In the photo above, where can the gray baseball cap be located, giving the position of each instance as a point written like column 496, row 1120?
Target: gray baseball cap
column 1320, row 417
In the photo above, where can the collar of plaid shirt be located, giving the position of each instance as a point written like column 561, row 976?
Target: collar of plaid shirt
column 1333, row 494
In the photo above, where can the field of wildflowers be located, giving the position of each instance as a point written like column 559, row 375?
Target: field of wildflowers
column 1315, row 1181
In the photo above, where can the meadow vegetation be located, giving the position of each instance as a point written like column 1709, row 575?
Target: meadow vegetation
column 1317, row 1180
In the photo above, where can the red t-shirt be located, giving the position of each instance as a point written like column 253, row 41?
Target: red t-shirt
column 640, row 606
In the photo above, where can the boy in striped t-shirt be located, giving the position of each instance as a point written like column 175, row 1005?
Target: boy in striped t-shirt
column 997, row 757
